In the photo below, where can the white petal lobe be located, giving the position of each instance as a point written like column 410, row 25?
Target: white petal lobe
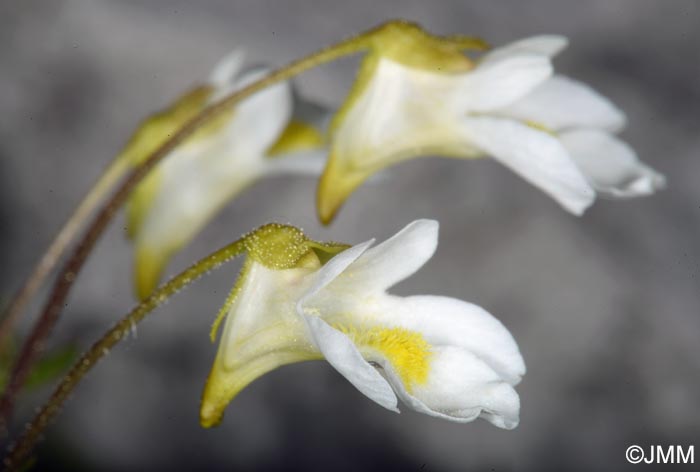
column 260, row 119
column 611, row 166
column 546, row 44
column 562, row 103
column 227, row 69
column 342, row 354
column 535, row 155
column 461, row 388
column 501, row 81
column 396, row 258
column 332, row 270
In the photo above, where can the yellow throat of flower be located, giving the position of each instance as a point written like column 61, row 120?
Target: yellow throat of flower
column 407, row 351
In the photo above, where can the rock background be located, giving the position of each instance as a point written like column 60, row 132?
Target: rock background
column 605, row 307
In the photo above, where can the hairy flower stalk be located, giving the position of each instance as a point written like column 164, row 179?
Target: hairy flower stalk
column 34, row 344
column 18, row 453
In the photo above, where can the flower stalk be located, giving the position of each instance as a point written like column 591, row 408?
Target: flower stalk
column 18, row 452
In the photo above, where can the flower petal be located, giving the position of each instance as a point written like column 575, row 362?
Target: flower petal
column 535, row 155
column 331, row 270
column 342, row 354
column 509, row 73
column 545, row 44
column 501, row 80
column 562, row 103
column 395, row 259
column 445, row 321
column 461, row 387
column 610, row 165
column 227, row 69
column 260, row 119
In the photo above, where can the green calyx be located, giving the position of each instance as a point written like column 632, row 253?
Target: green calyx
column 280, row 247
column 408, row 44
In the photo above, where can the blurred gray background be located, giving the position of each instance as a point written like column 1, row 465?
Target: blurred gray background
column 605, row 308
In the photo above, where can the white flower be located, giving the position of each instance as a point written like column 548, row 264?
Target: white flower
column 409, row 102
column 440, row 356
column 265, row 134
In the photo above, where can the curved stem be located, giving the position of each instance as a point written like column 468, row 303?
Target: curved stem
column 17, row 453
column 34, row 344
column 105, row 184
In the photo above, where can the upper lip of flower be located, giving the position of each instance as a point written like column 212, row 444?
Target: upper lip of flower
column 441, row 356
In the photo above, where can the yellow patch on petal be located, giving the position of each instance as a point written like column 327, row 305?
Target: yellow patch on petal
column 297, row 136
column 407, row 351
